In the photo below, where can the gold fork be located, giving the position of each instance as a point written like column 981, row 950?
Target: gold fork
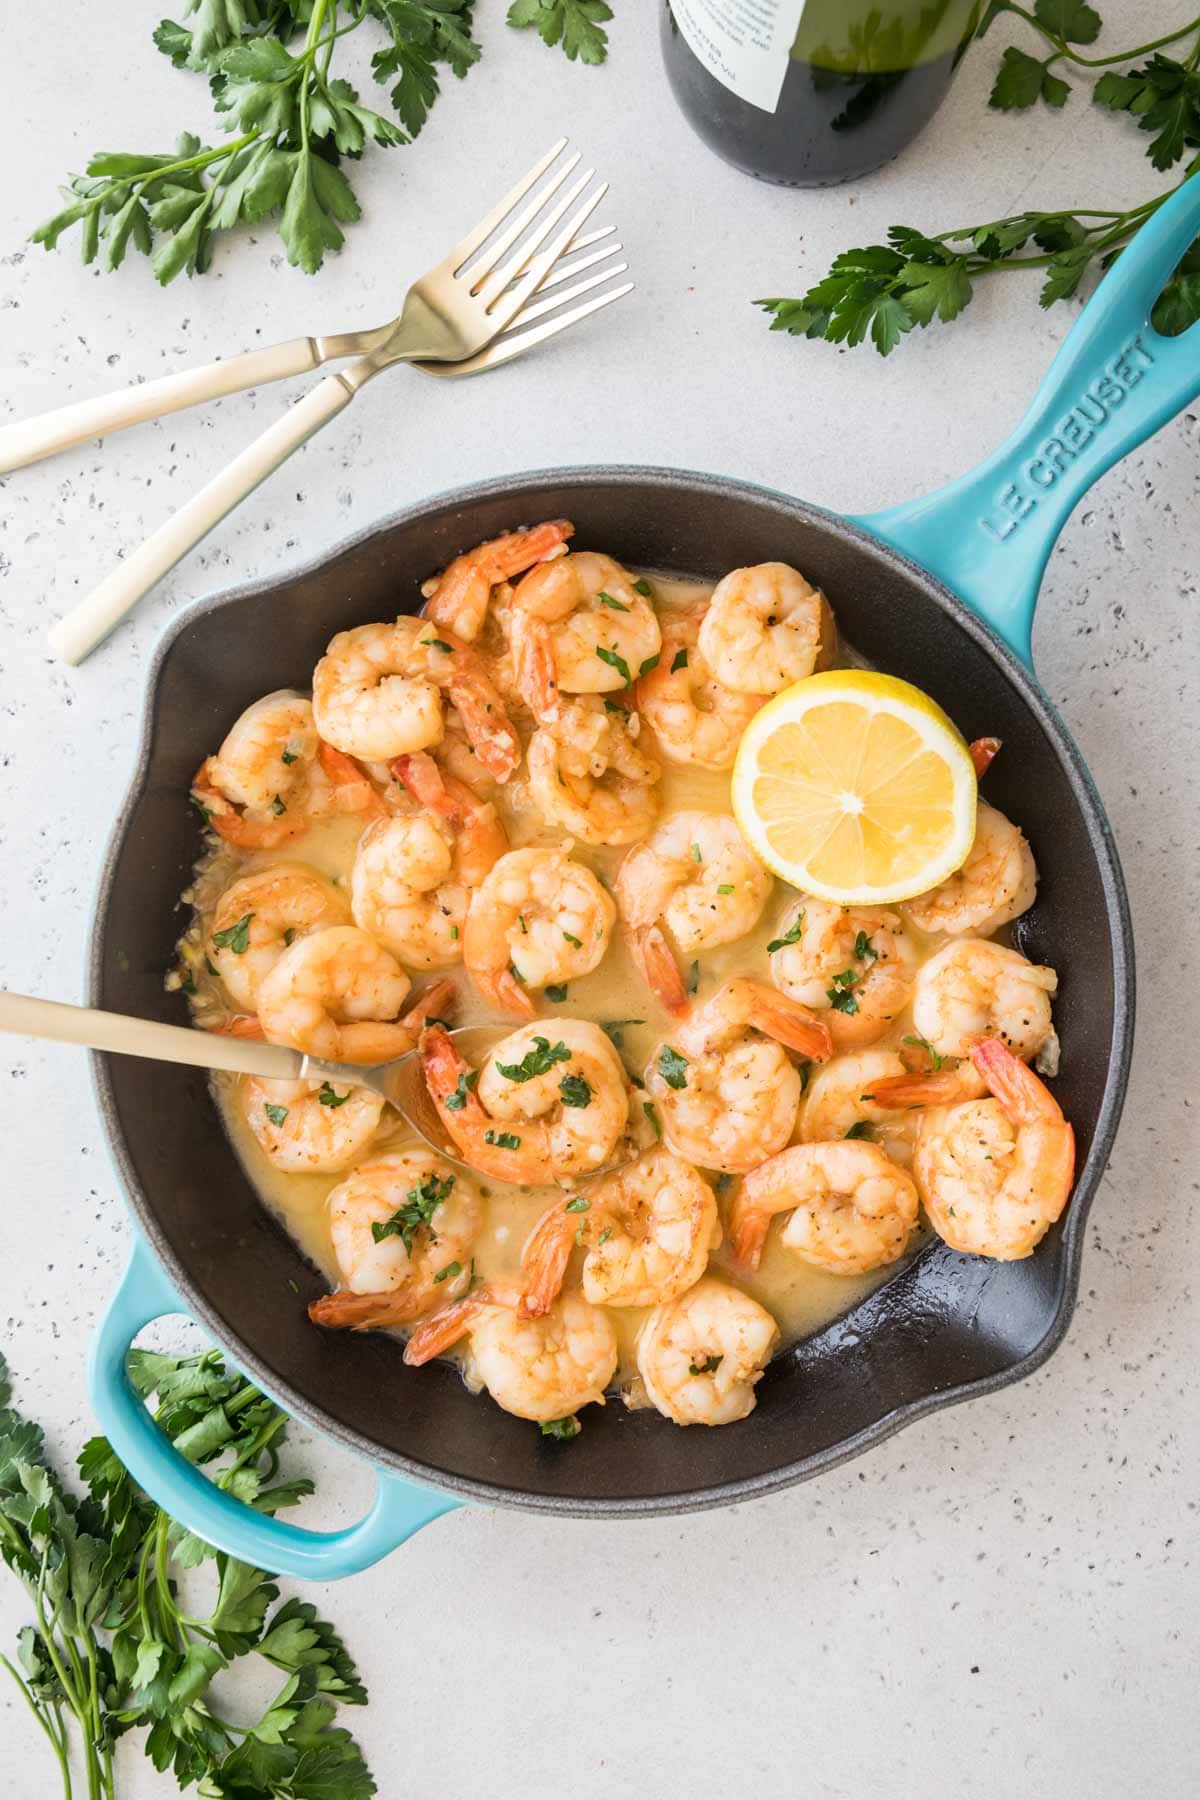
column 480, row 294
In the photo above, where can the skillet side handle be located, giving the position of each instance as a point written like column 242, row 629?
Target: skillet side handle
column 184, row 1492
column 1115, row 381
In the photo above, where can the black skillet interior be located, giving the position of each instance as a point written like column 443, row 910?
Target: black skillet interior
column 944, row 1324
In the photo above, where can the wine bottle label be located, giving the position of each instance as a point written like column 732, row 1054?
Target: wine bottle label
column 744, row 44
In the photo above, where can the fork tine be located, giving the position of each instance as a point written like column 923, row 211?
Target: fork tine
column 537, row 308
column 517, row 229
column 506, row 306
column 514, row 342
column 467, row 246
column 489, row 291
column 582, row 242
column 559, row 274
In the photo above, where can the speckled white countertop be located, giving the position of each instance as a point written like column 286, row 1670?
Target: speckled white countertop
column 1000, row 1602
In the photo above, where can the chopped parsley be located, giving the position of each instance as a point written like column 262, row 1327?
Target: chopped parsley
column 651, row 662
column 575, row 1091
column 841, row 994
column 236, row 937
column 616, row 662
column 448, row 1273
column 863, row 1129
column 329, row 1096
column 211, row 967
column 725, row 887
column 289, row 936
column 579, row 1204
column 503, row 1140
column 187, row 982
column 672, row 1067
column 863, row 948
column 924, row 1044
column 458, row 1099
column 652, row 1116
column 556, row 992
column 693, row 978
column 454, row 934
column 537, row 1061
column 790, row 936
column 291, row 756
column 575, row 943
column 607, row 600
column 563, row 1429
column 616, row 1028
column 437, row 644
column 605, row 1235
column 277, row 806
column 416, row 1212
column 697, row 857
column 643, row 588
column 276, row 1114
column 706, row 1365
column 680, row 662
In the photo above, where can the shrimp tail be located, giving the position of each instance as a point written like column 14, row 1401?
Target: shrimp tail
column 1026, row 1099
column 536, row 675
column 424, row 781
column 440, row 997
column 748, row 1227
column 353, row 792
column 485, row 719
column 544, row 1263
column 659, row 969
column 346, row 1311
column 501, row 989
column 241, row 1025
column 788, row 1022
column 444, row 1329
column 230, row 824
column 928, row 1089
column 984, row 752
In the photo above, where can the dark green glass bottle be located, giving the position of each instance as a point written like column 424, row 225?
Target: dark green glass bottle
column 812, row 92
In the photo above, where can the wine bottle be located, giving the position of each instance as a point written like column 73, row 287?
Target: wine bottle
column 812, row 92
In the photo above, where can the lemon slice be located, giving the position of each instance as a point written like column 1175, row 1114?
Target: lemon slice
column 855, row 787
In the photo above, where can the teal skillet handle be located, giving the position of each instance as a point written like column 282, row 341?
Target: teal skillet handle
column 188, row 1495
column 1114, row 382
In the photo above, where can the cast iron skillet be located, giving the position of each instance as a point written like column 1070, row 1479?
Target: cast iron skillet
column 947, row 1326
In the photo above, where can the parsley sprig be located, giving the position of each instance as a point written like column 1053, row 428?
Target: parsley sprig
column 881, row 291
column 293, row 123
column 112, row 1649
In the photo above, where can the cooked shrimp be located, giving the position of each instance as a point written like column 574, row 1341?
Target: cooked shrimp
column 403, row 1230
column 377, row 693
column 724, row 1087
column 696, row 720
column 852, row 1209
column 413, row 874
column 536, row 919
column 583, row 614
column 311, row 1127
column 700, row 1355
column 855, row 965
column 543, row 1369
column 843, row 1100
column 973, row 989
column 996, row 884
column 591, row 775
column 272, row 776
column 337, row 995
column 766, row 626
column 996, row 1173
column 257, row 917
column 696, row 879
column 550, row 1102
column 459, row 597
column 648, row 1229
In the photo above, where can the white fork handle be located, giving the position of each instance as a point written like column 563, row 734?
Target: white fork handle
column 77, row 635
column 29, row 440
column 24, row 1016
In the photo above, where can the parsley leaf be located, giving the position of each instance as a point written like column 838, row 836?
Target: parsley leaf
column 575, row 1091
column 615, row 661
column 576, row 24
column 705, row 1365
column 561, row 1428
column 458, row 1099
column 235, row 937
column 679, row 661
column 416, row 1212
column 862, row 1128
column 791, row 936
column 672, row 1066
column 276, row 1114
column 329, row 1096
column 608, row 600
column 537, row 1061
column 503, row 1140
